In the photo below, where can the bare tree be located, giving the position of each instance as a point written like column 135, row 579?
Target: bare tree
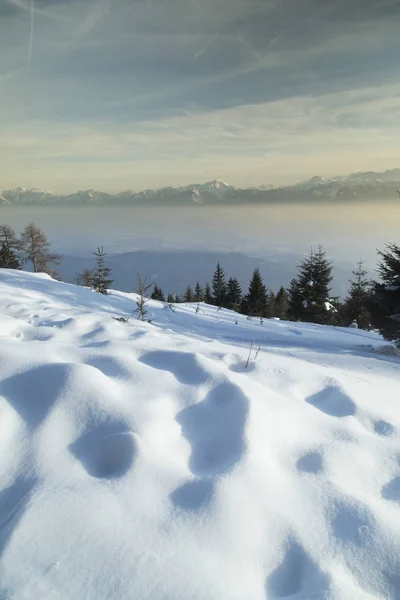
column 85, row 278
column 141, row 290
column 36, row 249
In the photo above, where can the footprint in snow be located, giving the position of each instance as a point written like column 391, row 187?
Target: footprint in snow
column 183, row 365
column 391, row 491
column 352, row 522
column 215, row 430
column 332, row 401
column 109, row 366
column 310, row 463
column 107, row 451
column 297, row 576
column 194, row 494
column 383, row 428
column 33, row 393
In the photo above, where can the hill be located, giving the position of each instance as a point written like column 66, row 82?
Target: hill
column 146, row 460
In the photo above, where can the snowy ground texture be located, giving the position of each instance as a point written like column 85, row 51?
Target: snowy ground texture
column 144, row 461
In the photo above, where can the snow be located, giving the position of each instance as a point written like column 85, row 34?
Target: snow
column 146, row 461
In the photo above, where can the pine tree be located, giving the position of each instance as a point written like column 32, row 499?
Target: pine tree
column 101, row 275
column 281, row 304
column 188, row 297
column 270, row 306
column 219, row 287
column 141, row 303
column 171, row 299
column 157, row 293
column 257, row 299
column 35, row 248
column 234, row 294
column 8, row 258
column 198, row 293
column 9, row 238
column 208, row 299
column 309, row 293
column 356, row 305
column 385, row 304
column 85, row 278
column 177, row 299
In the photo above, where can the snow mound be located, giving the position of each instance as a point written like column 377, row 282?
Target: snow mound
column 148, row 461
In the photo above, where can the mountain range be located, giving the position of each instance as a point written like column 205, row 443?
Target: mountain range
column 356, row 186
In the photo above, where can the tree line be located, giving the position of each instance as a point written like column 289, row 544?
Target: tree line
column 369, row 304
column 30, row 247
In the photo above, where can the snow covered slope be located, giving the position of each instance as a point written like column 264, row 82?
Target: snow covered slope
column 145, row 461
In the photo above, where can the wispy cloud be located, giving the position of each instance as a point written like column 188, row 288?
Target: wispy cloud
column 196, row 84
column 329, row 134
column 207, row 46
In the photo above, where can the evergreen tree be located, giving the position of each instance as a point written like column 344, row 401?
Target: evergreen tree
column 141, row 303
column 177, row 299
column 9, row 238
column 257, row 298
column 101, row 275
column 208, row 299
column 198, row 293
column 385, row 304
column 234, row 294
column 171, row 299
column 35, row 248
column 188, row 297
column 85, row 278
column 281, row 304
column 157, row 293
column 10, row 246
column 219, row 287
column 244, row 306
column 8, row 258
column 270, row 306
column 309, row 293
column 356, row 305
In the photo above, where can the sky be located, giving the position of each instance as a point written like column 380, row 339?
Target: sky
column 132, row 94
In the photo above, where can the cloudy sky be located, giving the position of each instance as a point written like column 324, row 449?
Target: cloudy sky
column 129, row 94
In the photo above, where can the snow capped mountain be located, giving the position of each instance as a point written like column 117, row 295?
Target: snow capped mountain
column 316, row 181
column 22, row 195
column 217, row 187
column 88, row 197
column 156, row 461
column 4, row 200
column 371, row 177
column 357, row 185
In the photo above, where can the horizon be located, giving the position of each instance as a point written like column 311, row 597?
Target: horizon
column 119, row 95
column 208, row 181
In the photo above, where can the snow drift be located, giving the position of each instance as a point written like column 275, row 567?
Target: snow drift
column 146, row 461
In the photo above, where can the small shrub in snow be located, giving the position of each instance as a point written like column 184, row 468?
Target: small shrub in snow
column 121, row 319
column 169, row 305
column 249, row 356
column 101, row 276
column 141, row 290
column 256, row 353
column 258, row 349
